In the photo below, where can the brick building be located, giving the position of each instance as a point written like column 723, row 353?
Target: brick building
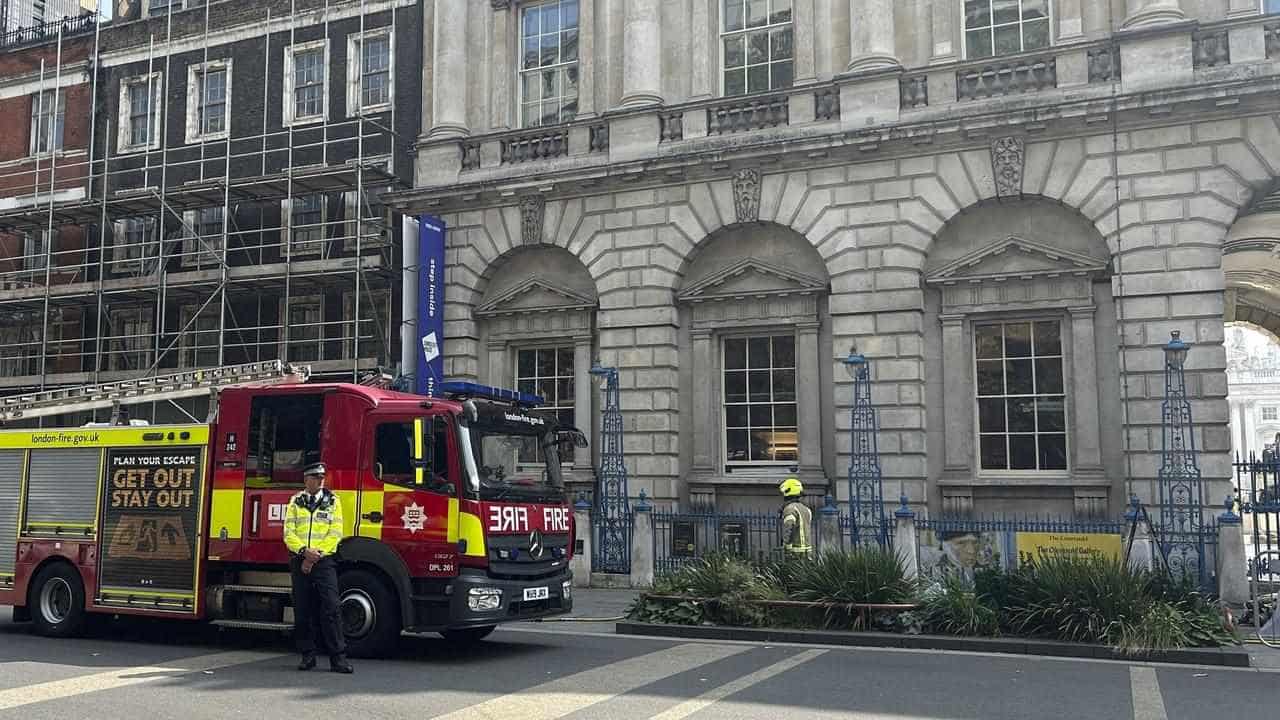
column 1007, row 206
column 233, row 212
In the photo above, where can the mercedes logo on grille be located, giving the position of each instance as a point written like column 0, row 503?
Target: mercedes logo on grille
column 536, row 547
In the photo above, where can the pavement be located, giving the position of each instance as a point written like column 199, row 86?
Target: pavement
column 578, row 669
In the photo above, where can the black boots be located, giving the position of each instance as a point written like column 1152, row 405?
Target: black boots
column 339, row 664
column 308, row 662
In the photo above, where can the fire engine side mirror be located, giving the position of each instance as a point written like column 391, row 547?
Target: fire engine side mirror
column 377, row 470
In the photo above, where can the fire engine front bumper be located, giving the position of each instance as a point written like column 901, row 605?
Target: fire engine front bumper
column 479, row 600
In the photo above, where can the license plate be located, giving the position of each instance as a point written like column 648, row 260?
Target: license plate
column 537, row 593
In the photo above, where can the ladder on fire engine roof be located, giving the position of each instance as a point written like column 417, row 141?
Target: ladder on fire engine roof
column 156, row 388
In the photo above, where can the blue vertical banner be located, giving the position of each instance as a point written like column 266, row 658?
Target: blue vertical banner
column 430, row 304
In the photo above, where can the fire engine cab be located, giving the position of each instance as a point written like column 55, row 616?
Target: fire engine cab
column 456, row 513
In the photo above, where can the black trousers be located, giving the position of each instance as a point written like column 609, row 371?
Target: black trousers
column 315, row 608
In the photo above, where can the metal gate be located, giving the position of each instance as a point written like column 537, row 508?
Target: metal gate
column 1258, row 490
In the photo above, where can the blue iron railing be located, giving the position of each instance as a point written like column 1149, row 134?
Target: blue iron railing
column 617, row 532
column 682, row 537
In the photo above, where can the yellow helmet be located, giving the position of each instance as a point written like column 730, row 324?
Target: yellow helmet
column 790, row 488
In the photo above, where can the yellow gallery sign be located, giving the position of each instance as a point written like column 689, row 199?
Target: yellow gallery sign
column 1036, row 545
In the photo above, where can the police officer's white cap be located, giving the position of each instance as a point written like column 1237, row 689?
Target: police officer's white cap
column 314, row 469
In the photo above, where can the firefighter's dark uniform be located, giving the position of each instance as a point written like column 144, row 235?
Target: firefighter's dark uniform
column 316, row 522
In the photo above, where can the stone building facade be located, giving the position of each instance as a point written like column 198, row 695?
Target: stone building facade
column 1006, row 211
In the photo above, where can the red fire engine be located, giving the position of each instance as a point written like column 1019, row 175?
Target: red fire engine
column 457, row 518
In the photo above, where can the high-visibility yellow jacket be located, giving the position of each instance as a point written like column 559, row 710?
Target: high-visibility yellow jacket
column 313, row 524
column 797, row 522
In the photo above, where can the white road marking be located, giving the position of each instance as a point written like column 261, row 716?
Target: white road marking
column 572, row 693
column 715, row 695
column 125, row 677
column 1148, row 703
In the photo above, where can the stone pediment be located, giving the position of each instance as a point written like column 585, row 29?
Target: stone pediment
column 751, row 278
column 1015, row 258
column 535, row 295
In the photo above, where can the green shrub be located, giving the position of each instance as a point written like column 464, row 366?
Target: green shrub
column 857, row 576
column 956, row 609
column 729, row 585
column 1080, row 599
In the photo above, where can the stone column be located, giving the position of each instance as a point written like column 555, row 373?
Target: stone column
column 586, row 58
column 704, row 425
column 501, row 75
column 829, row 538
column 449, row 81
column 1070, row 20
column 808, row 398
column 1084, row 390
column 1144, row 13
column 905, row 542
column 804, row 26
column 642, row 545
column 642, row 54
column 583, row 395
column 1251, row 427
column 957, row 400
column 1233, row 582
column 581, row 562
column 871, row 36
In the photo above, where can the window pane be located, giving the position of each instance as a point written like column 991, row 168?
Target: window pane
column 735, row 82
column 978, row 43
column 758, row 353
column 784, row 415
column 780, row 44
column 1017, row 340
column 757, row 12
column 1048, row 338
column 532, row 21
column 736, row 445
column 757, row 47
column 1004, row 11
column 989, row 341
column 1051, row 414
column 1035, row 35
column 569, row 14
column 781, row 12
column 546, row 389
column 977, row 13
column 531, row 87
column 569, row 46
column 1049, row 375
column 733, row 51
column 761, row 416
column 1053, row 452
column 1017, row 377
column 994, row 454
column 990, row 377
column 758, row 79
column 781, row 75
column 546, row 363
column 564, row 361
column 733, row 15
column 735, row 416
column 780, row 445
column 735, row 353
column 735, row 387
column 784, row 351
column 530, row 59
column 569, row 82
column 784, row 385
column 550, row 84
column 527, row 386
column 1022, row 414
column 1022, row 452
column 550, row 18
column 1008, row 40
column 550, row 50
column 1032, row 9
column 991, row 415
column 758, row 386
column 564, row 391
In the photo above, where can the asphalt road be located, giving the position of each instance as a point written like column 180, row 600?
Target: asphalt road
column 147, row 669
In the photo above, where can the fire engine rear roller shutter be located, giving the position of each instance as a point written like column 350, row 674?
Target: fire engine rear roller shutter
column 10, row 489
column 62, row 491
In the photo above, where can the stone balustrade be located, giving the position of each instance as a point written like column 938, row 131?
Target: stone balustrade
column 746, row 114
column 543, row 145
column 1211, row 48
column 1008, row 77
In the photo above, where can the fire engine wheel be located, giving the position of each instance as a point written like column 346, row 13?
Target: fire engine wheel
column 57, row 602
column 467, row 636
column 370, row 614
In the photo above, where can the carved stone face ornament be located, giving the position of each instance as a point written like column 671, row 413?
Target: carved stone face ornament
column 746, row 195
column 1008, row 155
column 532, row 208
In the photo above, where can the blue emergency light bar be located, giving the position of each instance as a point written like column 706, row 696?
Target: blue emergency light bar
column 459, row 389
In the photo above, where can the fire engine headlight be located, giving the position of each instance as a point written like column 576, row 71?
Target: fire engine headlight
column 484, row 599
column 566, row 589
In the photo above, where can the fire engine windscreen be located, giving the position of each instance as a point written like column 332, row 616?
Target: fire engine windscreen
column 514, row 455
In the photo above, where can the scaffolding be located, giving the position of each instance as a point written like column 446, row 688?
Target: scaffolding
column 206, row 253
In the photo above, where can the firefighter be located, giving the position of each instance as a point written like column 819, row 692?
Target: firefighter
column 312, row 531
column 797, row 521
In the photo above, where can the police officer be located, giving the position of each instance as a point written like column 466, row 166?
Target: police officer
column 312, row 531
column 797, row 521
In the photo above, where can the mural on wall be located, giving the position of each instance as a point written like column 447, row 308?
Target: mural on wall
column 944, row 552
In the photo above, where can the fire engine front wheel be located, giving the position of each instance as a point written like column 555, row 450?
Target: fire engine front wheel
column 370, row 614
column 57, row 602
